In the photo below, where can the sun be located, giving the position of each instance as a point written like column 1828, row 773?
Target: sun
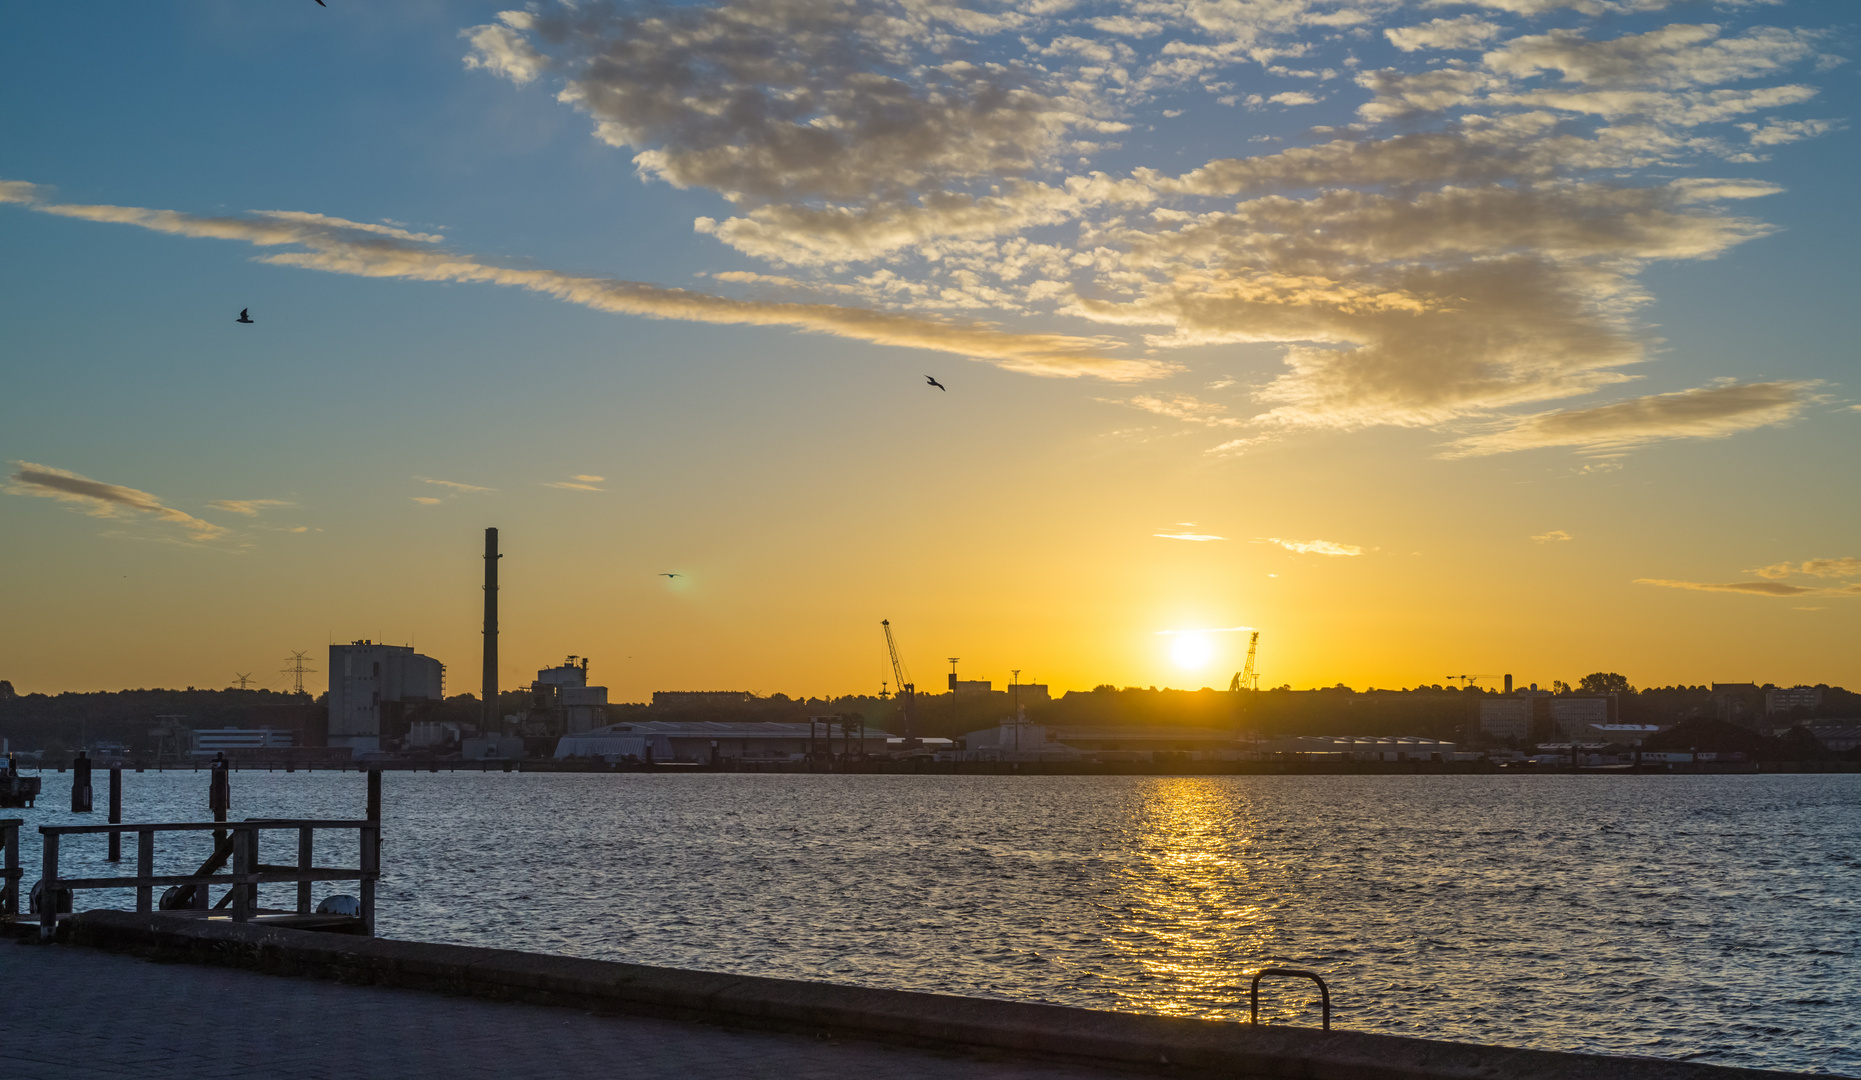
column 1192, row 651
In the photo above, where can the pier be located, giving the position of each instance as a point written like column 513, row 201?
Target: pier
column 360, row 1006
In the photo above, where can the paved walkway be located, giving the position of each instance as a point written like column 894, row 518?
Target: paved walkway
column 77, row 1014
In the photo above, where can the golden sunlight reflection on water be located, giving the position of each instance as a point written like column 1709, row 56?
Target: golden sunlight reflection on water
column 1194, row 902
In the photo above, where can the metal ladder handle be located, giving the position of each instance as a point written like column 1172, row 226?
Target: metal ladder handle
column 1324, row 992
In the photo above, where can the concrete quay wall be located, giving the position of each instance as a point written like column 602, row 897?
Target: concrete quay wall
column 1172, row 1046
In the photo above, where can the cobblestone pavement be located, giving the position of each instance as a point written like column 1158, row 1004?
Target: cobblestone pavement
column 76, row 1014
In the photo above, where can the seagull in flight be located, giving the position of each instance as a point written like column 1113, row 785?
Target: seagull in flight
column 936, row 384
column 671, row 575
column 243, row 316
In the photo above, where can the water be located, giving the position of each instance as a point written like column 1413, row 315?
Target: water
column 1709, row 917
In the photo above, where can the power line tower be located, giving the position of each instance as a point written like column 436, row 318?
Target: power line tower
column 298, row 670
column 242, row 679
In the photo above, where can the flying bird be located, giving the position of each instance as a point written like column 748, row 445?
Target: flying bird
column 243, row 317
column 936, row 384
column 320, row 3
column 671, row 575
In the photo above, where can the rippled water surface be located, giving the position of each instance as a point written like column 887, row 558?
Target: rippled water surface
column 1708, row 917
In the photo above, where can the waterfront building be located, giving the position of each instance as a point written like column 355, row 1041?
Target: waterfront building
column 706, row 742
column 1840, row 736
column 1506, row 718
column 1367, row 747
column 1573, row 716
column 376, row 689
column 211, row 741
column 562, row 698
column 672, row 699
column 1779, row 700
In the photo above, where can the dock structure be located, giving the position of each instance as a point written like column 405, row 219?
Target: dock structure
column 553, row 1016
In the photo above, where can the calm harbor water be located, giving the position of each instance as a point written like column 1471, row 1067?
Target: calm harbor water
column 1710, row 918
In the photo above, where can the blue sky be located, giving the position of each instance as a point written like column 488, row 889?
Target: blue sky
column 1531, row 310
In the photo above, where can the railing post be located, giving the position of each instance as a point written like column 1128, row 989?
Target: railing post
column 9, row 891
column 242, row 866
column 116, row 814
column 48, row 892
column 304, row 845
column 145, row 868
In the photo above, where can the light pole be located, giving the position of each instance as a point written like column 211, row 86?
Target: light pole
column 953, row 723
column 1017, row 688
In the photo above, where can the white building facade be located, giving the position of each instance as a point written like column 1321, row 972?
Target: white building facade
column 371, row 686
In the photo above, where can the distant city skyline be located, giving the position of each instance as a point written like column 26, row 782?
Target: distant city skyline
column 1472, row 337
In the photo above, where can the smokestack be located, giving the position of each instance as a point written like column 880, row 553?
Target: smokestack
column 492, row 722
column 1508, row 684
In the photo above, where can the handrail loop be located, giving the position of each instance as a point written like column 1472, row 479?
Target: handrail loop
column 1324, row 992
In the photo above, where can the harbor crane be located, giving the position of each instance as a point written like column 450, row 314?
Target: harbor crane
column 1468, row 680
column 1247, row 678
column 907, row 690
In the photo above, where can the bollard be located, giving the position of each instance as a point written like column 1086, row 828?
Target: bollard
column 220, row 789
column 80, row 784
column 116, row 814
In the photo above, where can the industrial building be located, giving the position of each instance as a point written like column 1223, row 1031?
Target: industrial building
column 562, row 702
column 374, row 691
column 1367, row 748
column 1104, row 742
column 712, row 742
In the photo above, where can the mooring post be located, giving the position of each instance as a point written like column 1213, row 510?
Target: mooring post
column 305, row 843
column 145, row 868
column 80, row 784
column 48, row 896
column 371, row 851
column 116, row 814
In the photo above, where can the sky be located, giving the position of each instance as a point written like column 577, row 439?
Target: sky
column 1426, row 337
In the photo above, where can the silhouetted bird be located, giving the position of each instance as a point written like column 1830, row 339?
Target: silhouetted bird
column 320, row 3
column 936, row 384
column 671, row 575
column 243, row 317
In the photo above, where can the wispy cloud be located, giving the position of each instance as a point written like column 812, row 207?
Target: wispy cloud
column 426, row 500
column 1315, row 547
column 1202, row 537
column 1846, row 566
column 1757, row 588
column 99, row 499
column 454, row 486
column 581, row 482
column 248, row 507
column 1552, row 537
column 338, row 246
column 1707, row 412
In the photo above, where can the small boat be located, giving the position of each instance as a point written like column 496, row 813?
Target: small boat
column 17, row 790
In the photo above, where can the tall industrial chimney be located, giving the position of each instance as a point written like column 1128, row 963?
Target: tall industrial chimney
column 492, row 722
column 1508, row 684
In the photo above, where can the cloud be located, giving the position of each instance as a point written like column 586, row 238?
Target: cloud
column 248, row 507
column 1316, row 547
column 426, row 500
column 453, row 486
column 1756, row 588
column 1554, row 536
column 1675, row 56
column 98, row 499
column 1776, row 132
column 1846, row 566
column 1464, row 32
column 1184, row 407
column 341, row 249
column 1200, row 537
column 1707, row 412
column 576, row 483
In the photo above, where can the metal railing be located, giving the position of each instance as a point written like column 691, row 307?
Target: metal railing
column 1253, row 1016
column 241, row 842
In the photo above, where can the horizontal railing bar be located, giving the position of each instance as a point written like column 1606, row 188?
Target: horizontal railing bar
column 205, row 826
column 213, row 879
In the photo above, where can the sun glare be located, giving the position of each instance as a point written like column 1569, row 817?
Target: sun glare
column 1192, row 650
